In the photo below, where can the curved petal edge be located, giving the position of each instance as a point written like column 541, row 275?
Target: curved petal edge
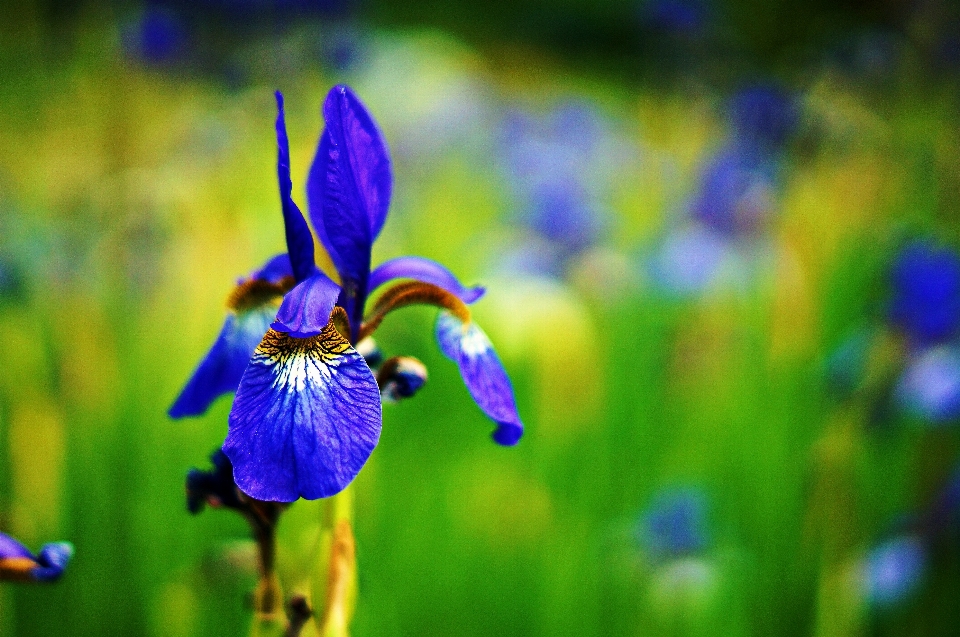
column 305, row 420
column 483, row 373
column 425, row 270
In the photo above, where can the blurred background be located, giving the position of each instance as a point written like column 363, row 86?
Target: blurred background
column 720, row 241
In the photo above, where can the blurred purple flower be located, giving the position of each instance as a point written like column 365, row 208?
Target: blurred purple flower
column 560, row 167
column 764, row 116
column 17, row 563
column 925, row 299
column 737, row 192
column 690, row 259
column 158, row 36
column 930, row 384
column 674, row 17
column 893, row 570
column 674, row 524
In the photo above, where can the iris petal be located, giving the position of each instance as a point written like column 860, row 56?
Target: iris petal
column 19, row 564
column 51, row 561
column 299, row 237
column 275, row 270
column 220, row 371
column 11, row 548
column 483, row 373
column 425, row 270
column 348, row 192
column 305, row 420
column 306, row 309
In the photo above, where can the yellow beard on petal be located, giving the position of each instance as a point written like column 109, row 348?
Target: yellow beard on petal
column 297, row 359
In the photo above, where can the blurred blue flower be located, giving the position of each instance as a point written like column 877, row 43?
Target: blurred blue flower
column 674, row 17
column 307, row 411
column 560, row 167
column 737, row 192
column 17, row 563
column 158, row 36
column 893, row 570
column 401, row 377
column 925, row 299
column 763, row 117
column 690, row 259
column 675, row 524
column 930, row 384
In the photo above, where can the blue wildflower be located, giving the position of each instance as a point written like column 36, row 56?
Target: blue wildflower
column 307, row 411
column 930, row 385
column 892, row 571
column 17, row 563
column 691, row 259
column 680, row 17
column 925, row 302
column 159, row 36
column 737, row 191
column 675, row 524
column 559, row 166
column 764, row 116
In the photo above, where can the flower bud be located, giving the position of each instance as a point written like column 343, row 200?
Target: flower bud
column 401, row 377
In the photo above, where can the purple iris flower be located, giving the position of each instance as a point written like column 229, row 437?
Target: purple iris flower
column 19, row 564
column 764, row 116
column 738, row 191
column 930, row 385
column 926, row 293
column 893, row 570
column 158, row 37
column 675, row 524
column 307, row 412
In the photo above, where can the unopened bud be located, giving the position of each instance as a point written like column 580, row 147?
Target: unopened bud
column 401, row 377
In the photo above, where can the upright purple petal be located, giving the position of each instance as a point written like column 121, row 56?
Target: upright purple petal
column 348, row 192
column 306, row 309
column 299, row 238
column 425, row 270
column 483, row 373
column 305, row 420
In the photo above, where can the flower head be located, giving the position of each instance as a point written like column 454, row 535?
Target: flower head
column 19, row 564
column 764, row 116
column 930, row 385
column 892, row 571
column 674, row 524
column 307, row 412
column 925, row 302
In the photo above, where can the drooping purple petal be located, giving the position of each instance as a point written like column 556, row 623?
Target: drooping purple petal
column 222, row 368
column 19, row 564
column 306, row 309
column 305, row 420
column 275, row 270
column 348, row 192
column 11, row 548
column 299, row 237
column 425, row 270
column 483, row 374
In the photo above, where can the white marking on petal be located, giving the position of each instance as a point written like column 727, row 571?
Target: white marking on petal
column 474, row 343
